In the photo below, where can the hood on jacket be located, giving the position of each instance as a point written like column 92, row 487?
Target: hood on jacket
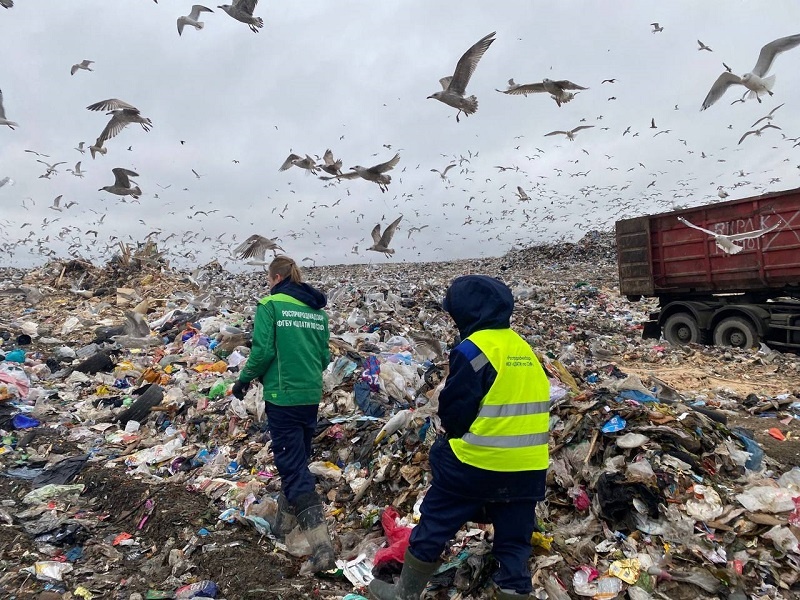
column 302, row 292
column 479, row 302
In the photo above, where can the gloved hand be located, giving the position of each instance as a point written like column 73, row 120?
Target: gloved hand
column 239, row 389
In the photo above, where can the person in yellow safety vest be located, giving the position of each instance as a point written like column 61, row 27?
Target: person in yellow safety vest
column 492, row 463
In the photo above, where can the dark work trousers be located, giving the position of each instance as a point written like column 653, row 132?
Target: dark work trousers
column 292, row 429
column 444, row 513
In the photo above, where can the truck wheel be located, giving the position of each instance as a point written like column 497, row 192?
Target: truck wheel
column 681, row 329
column 736, row 332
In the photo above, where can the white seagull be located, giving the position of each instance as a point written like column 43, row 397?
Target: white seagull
column 3, row 120
column 769, row 116
column 755, row 81
column 242, row 10
column 725, row 242
column 454, row 87
column 757, row 132
column 376, row 174
column 443, row 174
column 571, row 133
column 192, row 18
column 77, row 171
column 556, row 89
column 84, row 64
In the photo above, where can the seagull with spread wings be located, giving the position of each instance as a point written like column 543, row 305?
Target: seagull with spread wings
column 295, row 160
column 726, row 242
column 382, row 241
column 376, row 174
column 334, row 167
column 256, row 247
column 122, row 184
column 84, row 64
column 755, row 81
column 556, row 89
column 767, row 117
column 757, row 132
column 242, row 10
column 454, row 87
column 122, row 114
column 193, row 18
column 443, row 174
column 571, row 133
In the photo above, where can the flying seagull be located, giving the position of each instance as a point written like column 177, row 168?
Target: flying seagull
column 334, row 167
column 725, row 242
column 375, row 174
column 242, row 10
column 192, row 18
column 703, row 46
column 556, row 89
column 656, row 27
column 755, row 81
column 77, row 170
column 84, row 64
column 122, row 114
column 80, row 148
column 295, row 160
column 443, row 174
column 256, row 246
column 523, row 197
column 6, row 3
column 3, row 120
column 768, row 117
column 757, row 132
column 454, row 87
column 571, row 133
column 381, row 242
column 122, row 184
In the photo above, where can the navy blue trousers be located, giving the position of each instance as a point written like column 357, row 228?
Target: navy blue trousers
column 292, row 429
column 444, row 513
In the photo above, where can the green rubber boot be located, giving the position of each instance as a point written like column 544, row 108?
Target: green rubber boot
column 413, row 579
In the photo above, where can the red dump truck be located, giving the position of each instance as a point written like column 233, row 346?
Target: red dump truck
column 735, row 284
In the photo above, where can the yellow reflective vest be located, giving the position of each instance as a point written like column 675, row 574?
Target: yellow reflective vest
column 511, row 430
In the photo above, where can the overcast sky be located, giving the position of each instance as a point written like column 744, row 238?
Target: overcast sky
column 353, row 76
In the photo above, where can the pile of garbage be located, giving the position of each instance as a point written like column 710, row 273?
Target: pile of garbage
column 127, row 470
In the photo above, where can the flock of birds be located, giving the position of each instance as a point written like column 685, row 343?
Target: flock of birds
column 453, row 93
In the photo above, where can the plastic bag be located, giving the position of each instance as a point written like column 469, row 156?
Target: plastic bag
column 397, row 536
column 767, row 499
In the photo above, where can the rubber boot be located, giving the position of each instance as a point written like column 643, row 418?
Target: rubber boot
column 413, row 579
column 312, row 521
column 285, row 518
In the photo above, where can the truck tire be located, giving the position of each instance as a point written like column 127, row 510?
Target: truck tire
column 681, row 329
column 736, row 332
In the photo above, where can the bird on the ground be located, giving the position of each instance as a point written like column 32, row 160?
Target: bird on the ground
column 122, row 183
column 443, row 174
column 295, row 160
column 376, row 174
column 3, row 119
column 256, row 247
column 656, row 27
column 755, row 81
column 399, row 421
column 80, row 148
column 757, row 132
column 556, row 89
column 77, row 170
column 726, row 242
column 192, row 18
column 768, row 117
column 84, row 64
column 242, row 10
column 454, row 87
column 703, row 46
column 722, row 193
column 122, row 114
column 334, row 167
column 382, row 241
column 571, row 133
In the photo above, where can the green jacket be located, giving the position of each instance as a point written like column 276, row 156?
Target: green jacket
column 290, row 351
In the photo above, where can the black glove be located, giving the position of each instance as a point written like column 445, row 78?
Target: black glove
column 239, row 389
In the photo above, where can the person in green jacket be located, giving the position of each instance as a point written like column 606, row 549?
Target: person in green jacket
column 289, row 354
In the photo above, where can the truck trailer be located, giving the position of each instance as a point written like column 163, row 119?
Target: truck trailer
column 737, row 284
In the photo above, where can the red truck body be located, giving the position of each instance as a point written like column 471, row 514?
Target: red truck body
column 706, row 293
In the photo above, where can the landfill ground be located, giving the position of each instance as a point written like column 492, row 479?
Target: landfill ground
column 655, row 489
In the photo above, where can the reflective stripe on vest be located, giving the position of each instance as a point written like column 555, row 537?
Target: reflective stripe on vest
column 510, row 432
